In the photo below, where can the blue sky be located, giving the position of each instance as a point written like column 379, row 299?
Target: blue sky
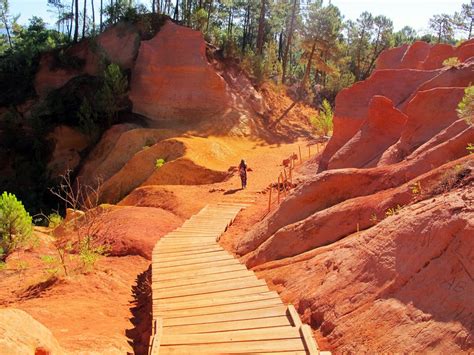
column 414, row 13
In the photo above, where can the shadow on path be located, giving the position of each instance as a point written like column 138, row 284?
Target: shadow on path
column 231, row 192
column 139, row 335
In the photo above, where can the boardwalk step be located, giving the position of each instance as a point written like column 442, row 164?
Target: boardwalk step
column 204, row 301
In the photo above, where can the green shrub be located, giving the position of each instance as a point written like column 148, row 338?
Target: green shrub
column 54, row 220
column 323, row 123
column 451, row 62
column 159, row 163
column 88, row 120
column 465, row 108
column 52, row 264
column 89, row 253
column 470, row 148
column 111, row 97
column 15, row 224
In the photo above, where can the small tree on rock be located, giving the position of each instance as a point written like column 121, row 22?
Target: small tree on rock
column 112, row 96
column 465, row 108
column 15, row 224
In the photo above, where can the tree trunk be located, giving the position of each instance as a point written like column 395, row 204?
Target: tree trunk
column 288, row 42
column 470, row 29
column 7, row 28
column 280, row 46
column 261, row 28
column 300, row 89
column 84, row 17
column 374, row 57
column 176, row 11
column 229, row 23
column 246, row 28
column 101, row 10
column 76, row 20
column 93, row 16
column 188, row 13
column 209, row 16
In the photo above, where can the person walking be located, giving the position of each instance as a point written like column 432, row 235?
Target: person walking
column 243, row 173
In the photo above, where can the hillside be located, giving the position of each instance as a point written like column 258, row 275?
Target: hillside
column 376, row 248
column 371, row 241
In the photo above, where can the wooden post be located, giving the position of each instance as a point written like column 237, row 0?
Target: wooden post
column 301, row 160
column 270, row 198
column 309, row 151
column 278, row 188
column 291, row 175
column 317, row 147
column 284, row 184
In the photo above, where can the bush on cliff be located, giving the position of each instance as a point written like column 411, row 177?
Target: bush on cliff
column 466, row 106
column 323, row 124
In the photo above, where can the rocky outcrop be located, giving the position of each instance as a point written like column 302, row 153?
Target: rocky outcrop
column 118, row 44
column 348, row 217
column 22, row 334
column 409, row 76
column 188, row 161
column 428, row 113
column 68, row 144
column 172, row 79
column 423, row 56
column 117, row 146
column 352, row 103
column 374, row 249
column 139, row 168
column 130, row 230
column 382, row 128
column 404, row 285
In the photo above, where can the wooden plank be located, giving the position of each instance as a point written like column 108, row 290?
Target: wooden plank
column 197, row 228
column 205, row 289
column 188, row 239
column 235, row 347
column 186, row 243
column 280, row 353
column 192, row 261
column 208, row 279
column 294, row 316
column 275, row 311
column 166, row 305
column 161, row 311
column 231, row 336
column 178, row 257
column 309, row 342
column 244, row 291
column 188, row 251
column 275, row 323
column 202, row 266
column 156, row 337
column 209, row 217
column 157, row 276
column 200, row 227
column 188, row 235
column 164, row 247
column 188, row 254
column 199, row 283
column 228, row 314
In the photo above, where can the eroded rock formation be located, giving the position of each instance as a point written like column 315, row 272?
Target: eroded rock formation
column 375, row 249
column 172, row 79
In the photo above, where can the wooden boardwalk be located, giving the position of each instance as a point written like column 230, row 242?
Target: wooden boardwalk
column 206, row 301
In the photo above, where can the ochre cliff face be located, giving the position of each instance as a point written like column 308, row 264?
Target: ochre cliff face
column 119, row 44
column 172, row 78
column 405, row 75
column 375, row 250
